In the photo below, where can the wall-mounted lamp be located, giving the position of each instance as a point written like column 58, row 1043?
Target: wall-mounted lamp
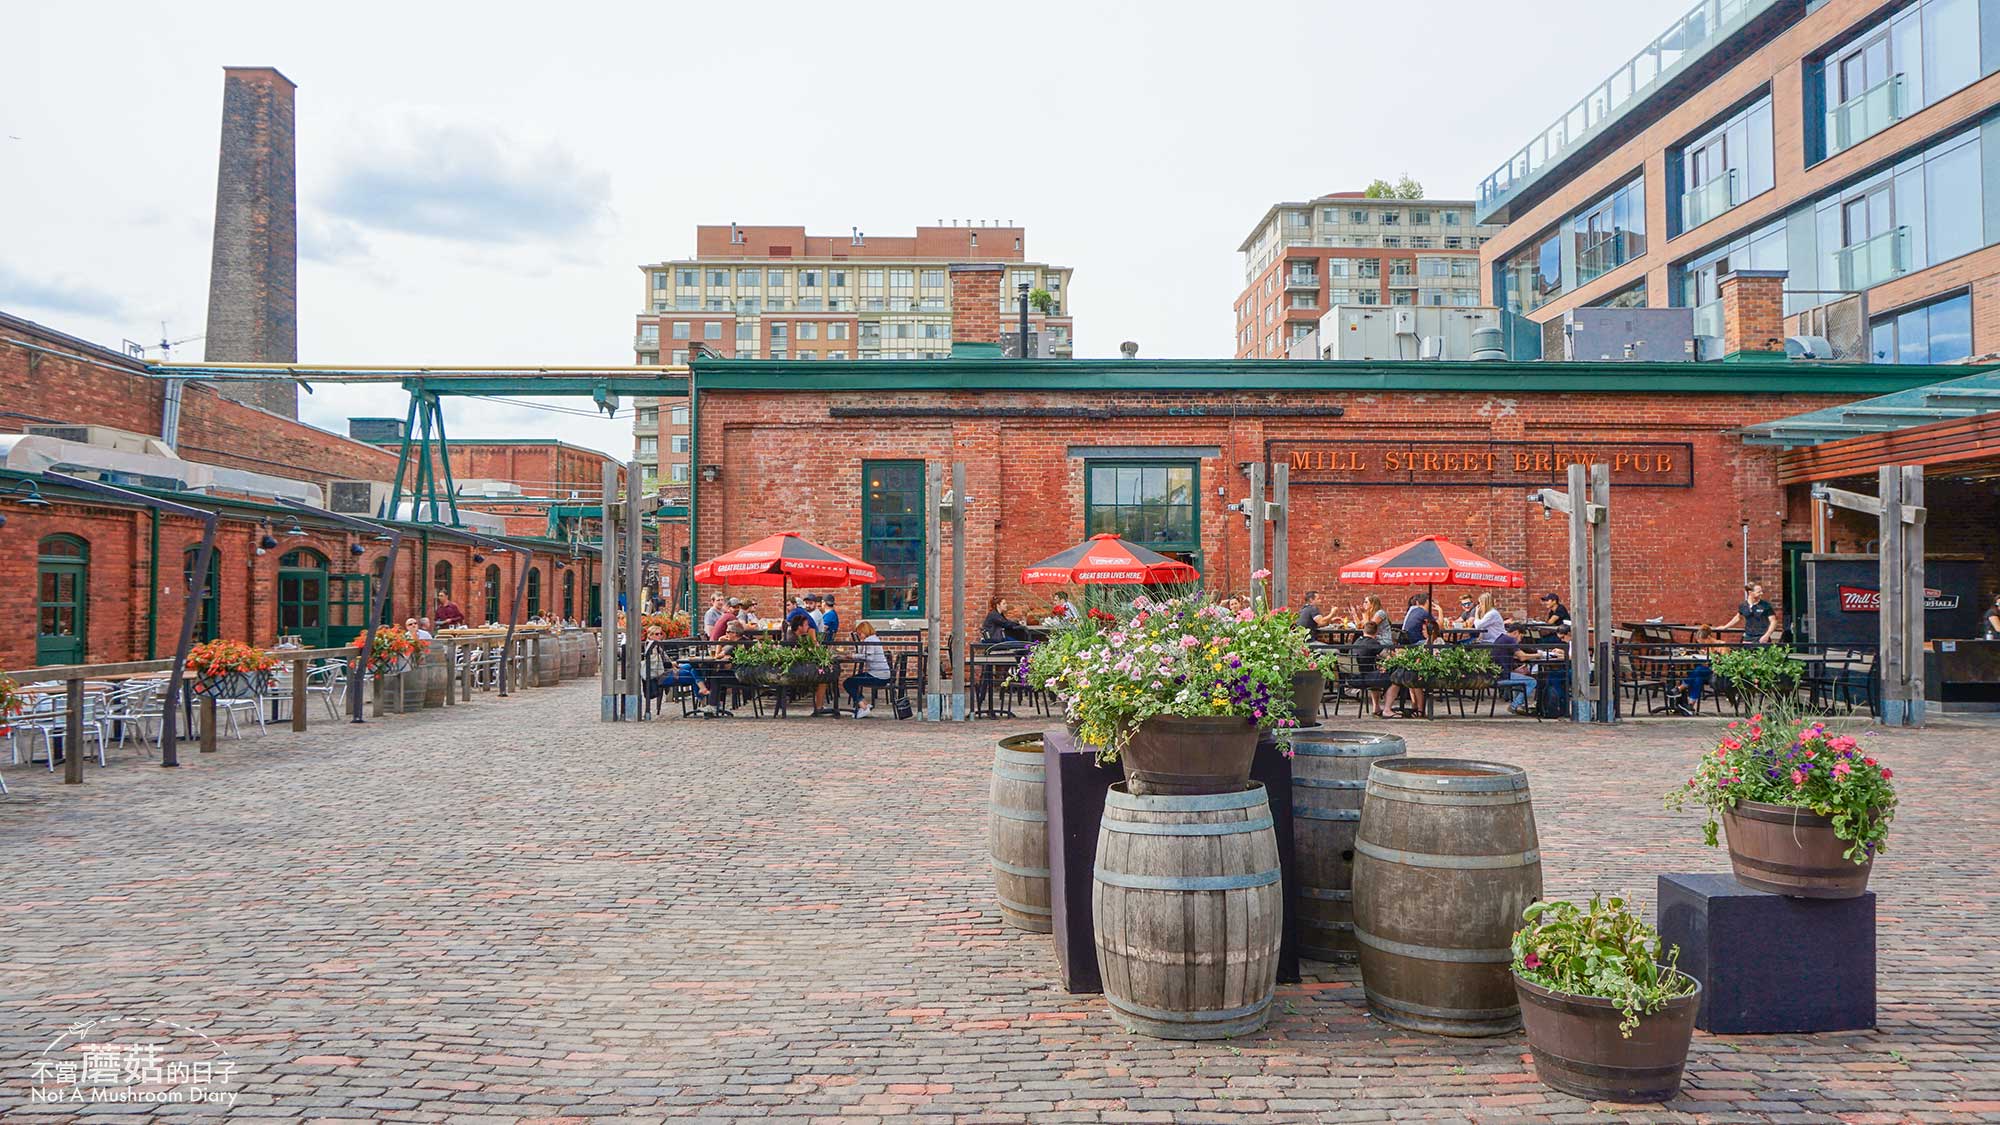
column 711, row 473
column 26, row 493
column 295, row 530
column 356, row 549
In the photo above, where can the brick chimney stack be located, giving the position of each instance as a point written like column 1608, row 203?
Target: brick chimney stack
column 975, row 302
column 1753, row 312
column 253, row 274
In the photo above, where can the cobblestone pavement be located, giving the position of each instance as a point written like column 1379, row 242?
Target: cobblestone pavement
column 508, row 912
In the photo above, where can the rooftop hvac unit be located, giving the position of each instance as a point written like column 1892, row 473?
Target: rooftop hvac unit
column 1604, row 335
column 1388, row 332
column 357, row 497
column 103, row 437
column 1808, row 347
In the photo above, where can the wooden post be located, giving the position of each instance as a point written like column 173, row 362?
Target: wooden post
column 298, row 695
column 607, row 597
column 1914, row 599
column 73, row 732
column 1598, row 516
column 375, row 707
column 961, row 686
column 1256, row 519
column 208, row 724
column 1582, row 643
column 1281, row 547
column 1893, row 604
column 635, row 595
column 933, row 570
column 449, row 653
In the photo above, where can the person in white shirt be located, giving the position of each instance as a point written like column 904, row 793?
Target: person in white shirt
column 874, row 668
column 413, row 629
column 1490, row 623
column 1060, row 609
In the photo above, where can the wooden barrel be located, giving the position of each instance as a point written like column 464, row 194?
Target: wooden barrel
column 1329, row 770
column 547, row 660
column 1445, row 861
column 1017, row 833
column 1188, row 912
column 436, row 668
column 571, row 643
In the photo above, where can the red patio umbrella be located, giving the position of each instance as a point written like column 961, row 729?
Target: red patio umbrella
column 786, row 558
column 1431, row 561
column 1107, row 559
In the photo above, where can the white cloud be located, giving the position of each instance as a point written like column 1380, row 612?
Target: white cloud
column 468, row 183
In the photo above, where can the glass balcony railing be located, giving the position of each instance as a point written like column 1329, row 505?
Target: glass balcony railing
column 1866, row 114
column 1700, row 29
column 1870, row 263
column 1301, row 280
column 1699, row 205
column 1708, row 319
column 1402, row 280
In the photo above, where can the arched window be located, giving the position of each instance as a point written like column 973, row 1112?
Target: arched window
column 492, row 593
column 569, row 594
column 208, row 619
column 534, row 592
column 441, row 580
column 62, row 616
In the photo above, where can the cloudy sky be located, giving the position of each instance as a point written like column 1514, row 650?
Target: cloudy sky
column 478, row 185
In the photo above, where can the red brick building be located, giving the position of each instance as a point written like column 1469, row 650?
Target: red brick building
column 91, row 579
column 1379, row 454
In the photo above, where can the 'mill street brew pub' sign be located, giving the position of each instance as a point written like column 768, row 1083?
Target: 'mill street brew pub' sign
column 1480, row 463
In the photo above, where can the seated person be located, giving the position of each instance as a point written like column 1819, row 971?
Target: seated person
column 1060, row 609
column 1506, row 653
column 1000, row 630
column 1467, row 615
column 1993, row 616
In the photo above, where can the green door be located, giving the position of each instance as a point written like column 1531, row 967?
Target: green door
column 347, row 607
column 1794, row 590
column 302, row 585
column 208, row 622
column 62, row 621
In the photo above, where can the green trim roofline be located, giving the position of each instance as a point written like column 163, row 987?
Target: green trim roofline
column 1223, row 375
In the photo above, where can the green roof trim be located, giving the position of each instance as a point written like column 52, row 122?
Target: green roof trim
column 1213, row 375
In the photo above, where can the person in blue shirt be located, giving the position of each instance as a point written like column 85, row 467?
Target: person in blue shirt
column 829, row 619
column 798, row 619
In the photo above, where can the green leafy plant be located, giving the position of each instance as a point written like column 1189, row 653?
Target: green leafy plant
column 1600, row 950
column 1045, row 660
column 1798, row 764
column 1447, row 664
column 11, row 703
column 777, row 654
column 1764, row 671
column 1043, row 301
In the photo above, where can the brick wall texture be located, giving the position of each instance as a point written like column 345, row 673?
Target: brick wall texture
column 253, row 274
column 1753, row 313
column 975, row 303
column 789, row 462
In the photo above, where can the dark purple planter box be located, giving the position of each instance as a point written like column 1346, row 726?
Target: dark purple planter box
column 1075, row 786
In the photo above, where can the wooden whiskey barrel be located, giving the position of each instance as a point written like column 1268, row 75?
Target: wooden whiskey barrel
column 1188, row 912
column 1445, row 861
column 1018, row 833
column 1329, row 771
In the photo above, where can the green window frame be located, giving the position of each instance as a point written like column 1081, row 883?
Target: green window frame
column 208, row 620
column 1153, row 503
column 569, row 595
column 534, row 592
column 492, row 593
column 892, row 537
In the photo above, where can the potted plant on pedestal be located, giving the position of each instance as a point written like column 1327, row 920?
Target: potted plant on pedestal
column 393, row 651
column 1608, row 1017
column 226, row 669
column 1178, row 689
column 1805, row 810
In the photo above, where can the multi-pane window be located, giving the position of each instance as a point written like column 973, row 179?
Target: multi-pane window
column 1298, row 219
column 836, row 279
column 808, row 279
column 711, row 330
column 779, row 330
column 749, row 279
column 1925, row 53
column 892, row 537
column 1149, row 503
column 1420, row 218
column 678, row 472
column 1532, row 275
column 1725, row 165
column 932, row 279
column 678, row 443
column 745, row 331
column 1927, row 209
column 649, row 445
column 718, row 279
column 1610, row 233
column 1938, row 332
column 687, row 276
column 808, row 330
column 680, row 355
column 1330, row 216
column 678, row 416
column 1357, row 216
column 836, row 331
column 681, row 329
column 1451, row 218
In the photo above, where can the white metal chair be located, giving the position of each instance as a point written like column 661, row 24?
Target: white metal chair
column 136, row 704
column 48, row 716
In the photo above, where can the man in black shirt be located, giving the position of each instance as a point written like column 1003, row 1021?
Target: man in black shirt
column 1760, row 622
column 1310, row 617
column 1553, row 610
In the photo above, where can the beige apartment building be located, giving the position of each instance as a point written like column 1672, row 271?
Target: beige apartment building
column 775, row 292
column 1302, row 259
column 1844, row 143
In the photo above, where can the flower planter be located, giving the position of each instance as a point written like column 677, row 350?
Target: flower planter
column 1791, row 851
column 1578, row 1049
column 228, row 685
column 806, row 675
column 1175, row 755
column 1307, row 689
column 756, row 675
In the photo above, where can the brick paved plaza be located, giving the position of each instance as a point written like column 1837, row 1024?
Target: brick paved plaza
column 508, row 912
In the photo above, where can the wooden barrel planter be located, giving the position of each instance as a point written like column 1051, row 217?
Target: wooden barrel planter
column 435, row 670
column 1791, row 851
column 1329, row 771
column 1445, row 860
column 1017, row 833
column 1579, row 1050
column 1188, row 912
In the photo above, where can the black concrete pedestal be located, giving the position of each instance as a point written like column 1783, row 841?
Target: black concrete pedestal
column 1768, row 963
column 1074, row 787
